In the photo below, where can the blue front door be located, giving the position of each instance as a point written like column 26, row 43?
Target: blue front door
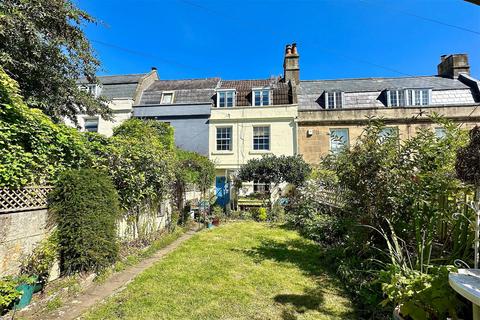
column 222, row 191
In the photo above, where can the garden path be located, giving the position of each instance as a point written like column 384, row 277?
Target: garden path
column 116, row 283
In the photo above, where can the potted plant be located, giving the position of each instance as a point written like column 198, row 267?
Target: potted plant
column 217, row 213
column 26, row 286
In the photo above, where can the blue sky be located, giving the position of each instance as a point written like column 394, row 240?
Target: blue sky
column 246, row 39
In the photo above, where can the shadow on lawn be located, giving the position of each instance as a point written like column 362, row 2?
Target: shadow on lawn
column 307, row 256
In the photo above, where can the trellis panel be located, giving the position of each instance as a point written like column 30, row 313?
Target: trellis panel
column 23, row 199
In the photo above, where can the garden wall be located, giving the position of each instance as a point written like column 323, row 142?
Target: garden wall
column 24, row 222
column 19, row 234
column 148, row 223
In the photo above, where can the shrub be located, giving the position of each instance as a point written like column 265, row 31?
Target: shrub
column 261, row 214
column 407, row 187
column 276, row 213
column 86, row 208
column 40, row 262
column 421, row 295
column 8, row 293
column 217, row 212
column 142, row 168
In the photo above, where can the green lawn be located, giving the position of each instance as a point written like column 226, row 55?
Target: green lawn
column 243, row 270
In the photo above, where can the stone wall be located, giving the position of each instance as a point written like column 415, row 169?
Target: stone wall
column 20, row 232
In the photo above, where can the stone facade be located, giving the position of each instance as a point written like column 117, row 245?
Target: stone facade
column 344, row 106
column 314, row 127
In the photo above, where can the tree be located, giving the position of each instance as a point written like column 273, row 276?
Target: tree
column 43, row 48
column 272, row 169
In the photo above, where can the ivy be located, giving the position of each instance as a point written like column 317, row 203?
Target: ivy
column 34, row 149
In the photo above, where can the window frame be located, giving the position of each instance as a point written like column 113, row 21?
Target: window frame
column 164, row 93
column 85, row 120
column 266, row 187
column 262, row 91
column 346, row 145
column 91, row 88
column 383, row 137
column 225, row 91
column 409, row 97
column 335, row 103
column 224, row 139
column 412, row 96
column 269, row 137
column 443, row 131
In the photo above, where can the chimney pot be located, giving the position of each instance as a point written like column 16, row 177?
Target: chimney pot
column 294, row 48
column 288, row 49
column 291, row 69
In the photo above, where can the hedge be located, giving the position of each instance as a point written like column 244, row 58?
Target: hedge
column 86, row 208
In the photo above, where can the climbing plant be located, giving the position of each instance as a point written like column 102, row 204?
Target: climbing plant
column 34, row 149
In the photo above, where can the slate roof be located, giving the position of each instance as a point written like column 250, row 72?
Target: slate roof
column 379, row 84
column 121, row 79
column 118, row 86
column 281, row 91
column 367, row 92
column 186, row 91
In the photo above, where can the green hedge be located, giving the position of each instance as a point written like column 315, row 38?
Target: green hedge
column 86, row 208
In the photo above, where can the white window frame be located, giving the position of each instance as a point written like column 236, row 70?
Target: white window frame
column 396, row 93
column 91, row 88
column 231, row 138
column 347, row 144
column 269, row 138
column 259, row 185
column 409, row 97
column 234, row 96
column 335, row 104
column 164, row 93
column 262, row 90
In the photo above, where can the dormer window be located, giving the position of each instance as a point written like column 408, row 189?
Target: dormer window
column 226, row 98
column 167, row 97
column 396, row 98
column 418, row 97
column 408, row 97
column 261, row 97
column 92, row 88
column 334, row 100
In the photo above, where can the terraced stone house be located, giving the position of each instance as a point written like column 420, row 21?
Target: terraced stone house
column 232, row 121
column 333, row 113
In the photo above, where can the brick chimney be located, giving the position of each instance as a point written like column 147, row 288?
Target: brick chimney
column 291, row 69
column 452, row 65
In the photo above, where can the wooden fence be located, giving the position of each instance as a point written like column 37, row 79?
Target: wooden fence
column 23, row 199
